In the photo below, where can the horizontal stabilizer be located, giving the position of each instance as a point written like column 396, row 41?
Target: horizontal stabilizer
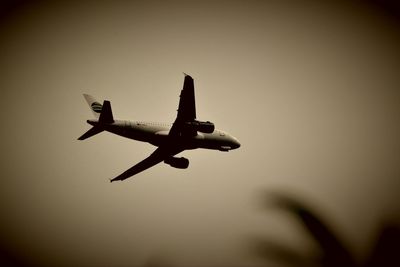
column 106, row 115
column 93, row 131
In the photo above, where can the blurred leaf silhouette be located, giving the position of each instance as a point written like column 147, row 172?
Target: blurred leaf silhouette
column 269, row 250
column 387, row 248
column 334, row 252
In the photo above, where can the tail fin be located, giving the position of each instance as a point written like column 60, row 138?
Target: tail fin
column 94, row 105
column 105, row 116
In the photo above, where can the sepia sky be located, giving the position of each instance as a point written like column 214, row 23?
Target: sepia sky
column 310, row 89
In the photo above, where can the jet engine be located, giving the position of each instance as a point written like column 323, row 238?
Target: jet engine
column 180, row 163
column 202, row 126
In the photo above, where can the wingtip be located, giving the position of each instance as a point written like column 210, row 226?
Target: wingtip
column 116, row 179
column 187, row 75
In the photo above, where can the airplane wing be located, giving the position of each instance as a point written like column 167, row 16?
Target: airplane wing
column 156, row 157
column 186, row 110
column 186, row 113
column 187, row 104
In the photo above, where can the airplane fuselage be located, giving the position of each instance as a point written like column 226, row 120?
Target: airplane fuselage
column 157, row 134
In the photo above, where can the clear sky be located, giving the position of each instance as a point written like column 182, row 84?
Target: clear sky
column 311, row 90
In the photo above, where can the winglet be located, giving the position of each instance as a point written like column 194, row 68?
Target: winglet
column 187, row 75
column 122, row 176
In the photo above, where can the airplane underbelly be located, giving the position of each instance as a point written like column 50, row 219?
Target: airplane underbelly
column 163, row 138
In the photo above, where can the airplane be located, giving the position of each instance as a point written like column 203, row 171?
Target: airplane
column 170, row 139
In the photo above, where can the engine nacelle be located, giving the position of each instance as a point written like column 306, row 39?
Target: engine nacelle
column 180, row 163
column 202, row 126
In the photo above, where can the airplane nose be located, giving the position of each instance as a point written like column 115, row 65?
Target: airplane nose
column 236, row 143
